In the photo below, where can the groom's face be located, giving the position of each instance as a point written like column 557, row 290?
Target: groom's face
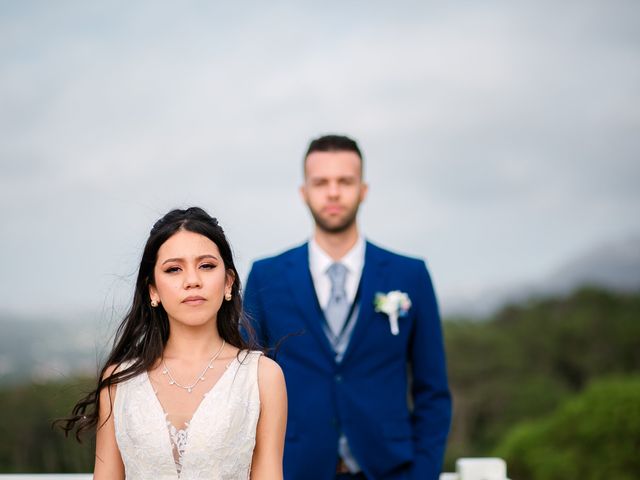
column 333, row 189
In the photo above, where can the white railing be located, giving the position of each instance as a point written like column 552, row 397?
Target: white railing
column 466, row 469
column 478, row 469
column 47, row 476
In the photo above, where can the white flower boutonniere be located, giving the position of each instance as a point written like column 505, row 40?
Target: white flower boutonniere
column 395, row 304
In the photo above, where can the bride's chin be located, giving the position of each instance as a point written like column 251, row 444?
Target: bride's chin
column 194, row 321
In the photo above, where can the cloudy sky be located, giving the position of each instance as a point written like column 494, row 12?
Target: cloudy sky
column 501, row 139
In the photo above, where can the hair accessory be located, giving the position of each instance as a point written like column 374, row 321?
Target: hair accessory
column 154, row 303
column 189, row 388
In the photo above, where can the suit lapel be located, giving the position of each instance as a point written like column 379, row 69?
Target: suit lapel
column 303, row 291
column 371, row 282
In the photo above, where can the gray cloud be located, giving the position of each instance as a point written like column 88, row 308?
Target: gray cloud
column 499, row 139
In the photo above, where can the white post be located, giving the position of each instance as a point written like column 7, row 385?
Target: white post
column 481, row 469
column 478, row 469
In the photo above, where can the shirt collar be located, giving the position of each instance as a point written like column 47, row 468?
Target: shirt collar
column 320, row 261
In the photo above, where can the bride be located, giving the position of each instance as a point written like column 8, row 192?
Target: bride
column 181, row 394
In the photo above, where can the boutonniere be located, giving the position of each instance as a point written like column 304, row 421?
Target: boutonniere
column 395, row 304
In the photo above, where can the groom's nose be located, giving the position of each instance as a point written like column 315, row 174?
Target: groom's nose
column 333, row 189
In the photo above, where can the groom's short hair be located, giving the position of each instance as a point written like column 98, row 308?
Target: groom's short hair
column 333, row 143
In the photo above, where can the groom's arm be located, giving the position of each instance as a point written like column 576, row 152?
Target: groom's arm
column 252, row 304
column 432, row 402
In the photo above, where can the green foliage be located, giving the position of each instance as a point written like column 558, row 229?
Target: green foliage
column 26, row 414
column 508, row 375
column 528, row 359
column 593, row 436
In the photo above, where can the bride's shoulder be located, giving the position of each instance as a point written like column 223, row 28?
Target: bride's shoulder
column 245, row 356
column 267, row 367
column 126, row 370
column 272, row 388
column 114, row 368
column 269, row 372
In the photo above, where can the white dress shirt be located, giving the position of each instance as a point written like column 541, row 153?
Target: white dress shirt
column 320, row 261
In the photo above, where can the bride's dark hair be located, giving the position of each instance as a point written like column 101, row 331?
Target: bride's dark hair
column 142, row 335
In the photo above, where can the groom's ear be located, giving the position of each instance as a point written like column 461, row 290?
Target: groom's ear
column 364, row 190
column 303, row 193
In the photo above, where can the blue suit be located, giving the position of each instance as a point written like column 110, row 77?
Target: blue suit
column 365, row 395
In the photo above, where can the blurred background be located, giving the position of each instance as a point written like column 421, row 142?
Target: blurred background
column 501, row 144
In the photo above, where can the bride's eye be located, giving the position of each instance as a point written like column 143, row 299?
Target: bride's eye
column 172, row 269
column 207, row 266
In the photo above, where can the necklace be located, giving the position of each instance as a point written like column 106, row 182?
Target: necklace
column 189, row 388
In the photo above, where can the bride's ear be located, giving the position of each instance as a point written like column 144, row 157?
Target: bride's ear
column 154, row 298
column 230, row 279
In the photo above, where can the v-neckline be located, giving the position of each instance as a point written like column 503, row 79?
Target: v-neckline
column 205, row 396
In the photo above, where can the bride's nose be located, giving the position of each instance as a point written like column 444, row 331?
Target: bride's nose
column 192, row 278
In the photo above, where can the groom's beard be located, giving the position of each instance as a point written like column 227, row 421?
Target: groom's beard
column 336, row 226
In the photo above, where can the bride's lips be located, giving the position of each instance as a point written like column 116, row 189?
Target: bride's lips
column 194, row 300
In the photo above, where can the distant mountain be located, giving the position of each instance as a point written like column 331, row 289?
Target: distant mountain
column 34, row 349
column 614, row 266
column 38, row 349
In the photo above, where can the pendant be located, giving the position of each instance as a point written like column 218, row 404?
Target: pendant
column 189, row 389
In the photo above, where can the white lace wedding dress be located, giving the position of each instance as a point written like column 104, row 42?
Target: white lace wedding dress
column 218, row 441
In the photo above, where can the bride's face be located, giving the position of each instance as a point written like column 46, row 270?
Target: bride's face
column 190, row 279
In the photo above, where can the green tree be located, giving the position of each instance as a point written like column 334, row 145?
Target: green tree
column 527, row 359
column 593, row 436
column 26, row 414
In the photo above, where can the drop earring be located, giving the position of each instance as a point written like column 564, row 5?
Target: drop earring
column 227, row 296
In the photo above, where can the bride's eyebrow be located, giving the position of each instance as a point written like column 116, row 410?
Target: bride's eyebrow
column 201, row 257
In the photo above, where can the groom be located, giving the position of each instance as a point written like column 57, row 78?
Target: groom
column 366, row 400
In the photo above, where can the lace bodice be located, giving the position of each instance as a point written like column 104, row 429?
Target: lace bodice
column 216, row 444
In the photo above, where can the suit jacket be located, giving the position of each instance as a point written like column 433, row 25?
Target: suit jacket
column 391, row 434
